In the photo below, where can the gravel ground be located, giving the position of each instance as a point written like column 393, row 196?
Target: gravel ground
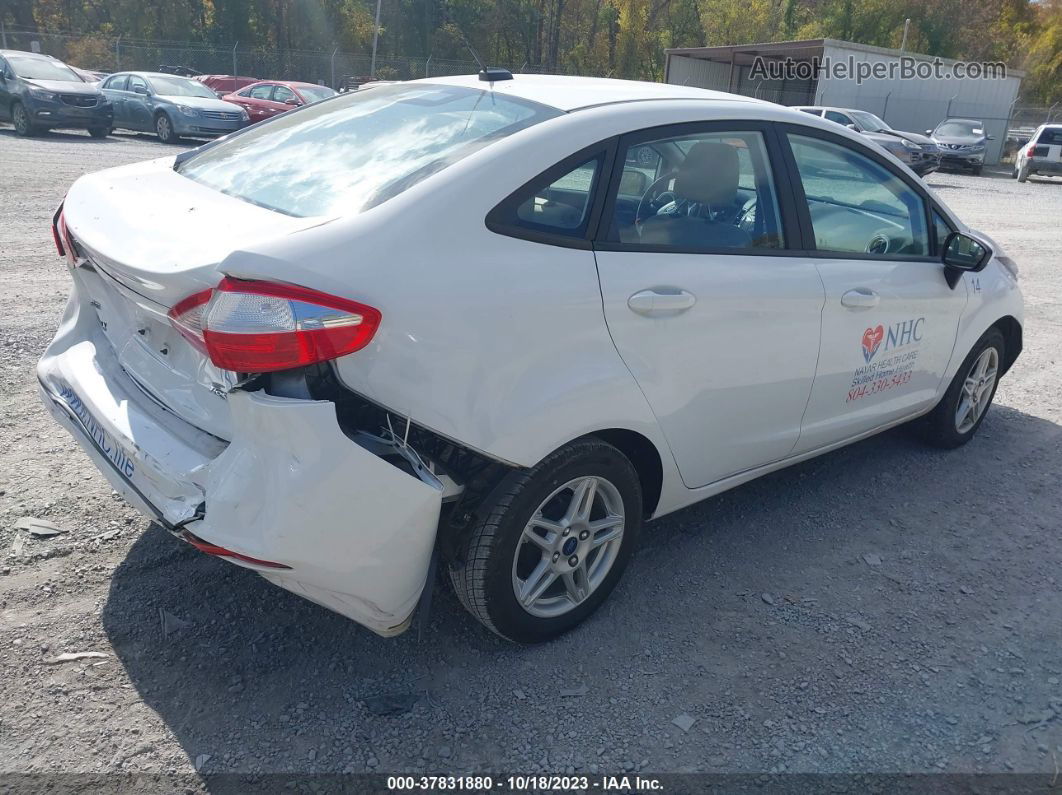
column 884, row 608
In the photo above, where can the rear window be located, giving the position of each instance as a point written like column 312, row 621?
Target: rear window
column 354, row 152
column 1050, row 137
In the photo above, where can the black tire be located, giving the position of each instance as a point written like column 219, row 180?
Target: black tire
column 100, row 132
column 21, row 120
column 1023, row 172
column 977, row 171
column 939, row 426
column 164, row 129
column 482, row 577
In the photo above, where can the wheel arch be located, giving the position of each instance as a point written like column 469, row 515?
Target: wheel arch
column 644, row 457
column 1012, row 336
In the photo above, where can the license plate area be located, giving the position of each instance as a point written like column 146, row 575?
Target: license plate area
column 120, row 456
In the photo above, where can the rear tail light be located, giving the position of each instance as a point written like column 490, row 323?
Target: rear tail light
column 258, row 327
column 61, row 237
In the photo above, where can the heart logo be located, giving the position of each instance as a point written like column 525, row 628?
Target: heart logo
column 872, row 338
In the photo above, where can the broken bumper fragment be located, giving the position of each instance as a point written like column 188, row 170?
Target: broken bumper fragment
column 311, row 509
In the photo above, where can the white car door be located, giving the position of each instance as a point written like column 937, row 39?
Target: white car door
column 890, row 319
column 716, row 320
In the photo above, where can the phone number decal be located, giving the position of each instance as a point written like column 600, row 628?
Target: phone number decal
column 881, row 376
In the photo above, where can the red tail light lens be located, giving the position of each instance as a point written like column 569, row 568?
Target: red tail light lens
column 258, row 327
column 62, row 237
column 57, row 219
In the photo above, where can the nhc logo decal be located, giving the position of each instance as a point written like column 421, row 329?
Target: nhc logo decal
column 872, row 338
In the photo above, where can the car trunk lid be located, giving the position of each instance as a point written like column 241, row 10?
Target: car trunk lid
column 150, row 238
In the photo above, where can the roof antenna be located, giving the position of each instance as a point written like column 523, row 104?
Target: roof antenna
column 487, row 74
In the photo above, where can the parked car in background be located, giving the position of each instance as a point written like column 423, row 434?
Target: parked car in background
column 39, row 92
column 919, row 152
column 88, row 75
column 324, row 373
column 962, row 143
column 1042, row 155
column 225, row 84
column 177, row 69
column 269, row 98
column 170, row 106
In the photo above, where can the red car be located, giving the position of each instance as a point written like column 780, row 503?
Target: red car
column 269, row 98
column 225, row 84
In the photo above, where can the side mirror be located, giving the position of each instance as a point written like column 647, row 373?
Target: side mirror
column 292, row 101
column 140, row 90
column 963, row 253
column 929, row 132
column 990, row 137
column 851, row 126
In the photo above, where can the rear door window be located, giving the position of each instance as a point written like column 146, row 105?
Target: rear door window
column 262, row 92
column 283, row 94
column 352, row 153
column 551, row 206
column 840, row 118
column 1050, row 137
column 118, row 83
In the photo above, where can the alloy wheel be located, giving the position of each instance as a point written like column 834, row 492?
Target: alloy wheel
column 21, row 120
column 568, row 547
column 977, row 390
column 162, row 127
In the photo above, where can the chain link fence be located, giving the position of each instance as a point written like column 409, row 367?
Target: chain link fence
column 329, row 67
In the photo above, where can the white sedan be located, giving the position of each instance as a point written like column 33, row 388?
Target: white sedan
column 505, row 322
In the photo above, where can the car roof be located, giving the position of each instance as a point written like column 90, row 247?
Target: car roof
column 152, row 74
column 955, row 118
column 572, row 93
column 28, row 54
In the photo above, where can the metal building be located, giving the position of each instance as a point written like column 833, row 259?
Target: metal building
column 805, row 73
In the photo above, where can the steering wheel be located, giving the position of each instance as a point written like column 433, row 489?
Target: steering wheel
column 656, row 196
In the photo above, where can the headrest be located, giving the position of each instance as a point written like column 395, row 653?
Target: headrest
column 709, row 174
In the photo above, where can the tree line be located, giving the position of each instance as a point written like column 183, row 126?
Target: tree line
column 619, row 38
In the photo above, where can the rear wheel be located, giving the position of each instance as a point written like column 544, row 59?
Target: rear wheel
column 1023, row 172
column 20, row 118
column 552, row 544
column 100, row 132
column 977, row 171
column 164, row 129
column 961, row 411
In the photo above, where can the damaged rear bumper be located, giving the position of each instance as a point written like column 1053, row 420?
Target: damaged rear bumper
column 340, row 525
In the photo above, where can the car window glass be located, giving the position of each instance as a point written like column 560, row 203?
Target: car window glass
column 711, row 191
column 1050, row 137
column 355, row 152
column 857, row 205
column 561, row 207
column 283, row 94
column 941, row 230
column 840, row 118
column 812, row 111
column 245, row 93
column 262, row 92
column 118, row 83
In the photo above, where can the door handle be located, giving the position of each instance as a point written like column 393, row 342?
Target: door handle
column 661, row 301
column 860, row 298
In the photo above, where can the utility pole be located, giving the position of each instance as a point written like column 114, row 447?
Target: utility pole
column 3, row 35
column 375, row 39
column 906, row 27
column 234, row 72
column 118, row 54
